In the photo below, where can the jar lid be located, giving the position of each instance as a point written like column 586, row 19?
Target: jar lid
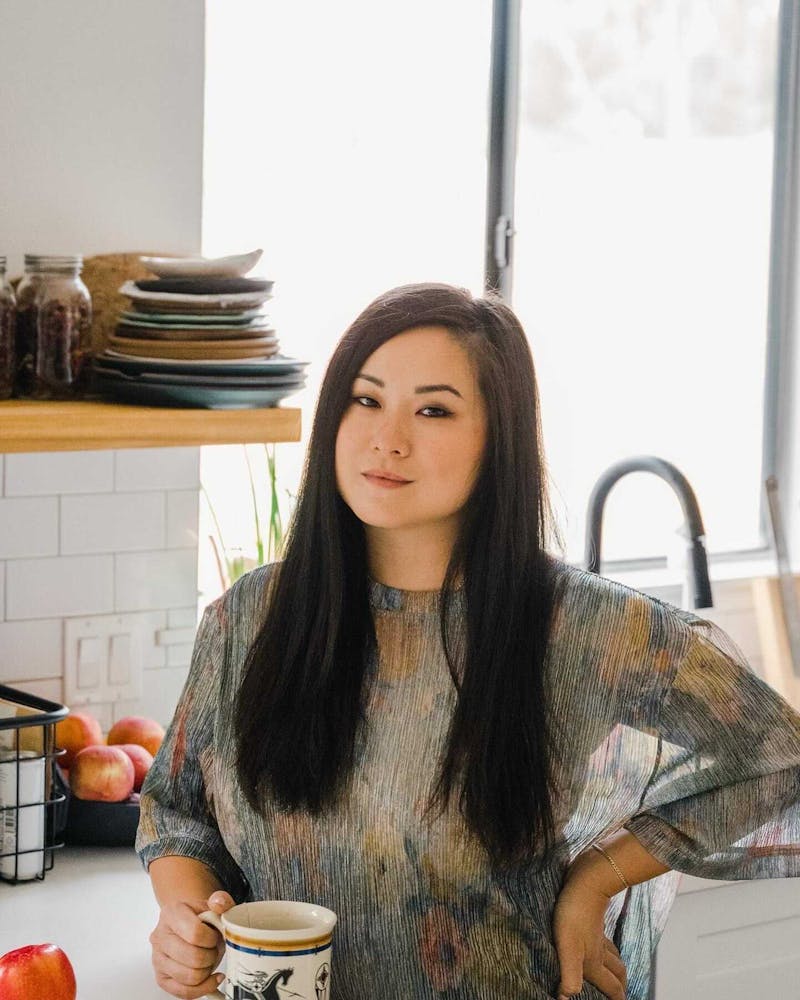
column 53, row 262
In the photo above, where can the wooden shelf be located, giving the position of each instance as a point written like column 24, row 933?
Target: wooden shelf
column 28, row 425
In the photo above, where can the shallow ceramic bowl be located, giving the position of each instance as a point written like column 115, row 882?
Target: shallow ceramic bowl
column 236, row 301
column 207, row 267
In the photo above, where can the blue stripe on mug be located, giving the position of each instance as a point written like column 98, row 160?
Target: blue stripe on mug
column 277, row 954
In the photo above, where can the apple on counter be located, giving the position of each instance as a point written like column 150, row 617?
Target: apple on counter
column 137, row 729
column 37, row 971
column 74, row 733
column 141, row 759
column 102, row 774
column 109, row 769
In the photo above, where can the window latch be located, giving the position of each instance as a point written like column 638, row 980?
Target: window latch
column 503, row 232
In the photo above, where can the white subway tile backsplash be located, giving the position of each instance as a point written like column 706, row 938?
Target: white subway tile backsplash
column 54, row 588
column 50, row 688
column 182, row 618
column 158, row 469
column 183, row 512
column 156, row 622
column 155, row 579
column 159, row 698
column 112, row 522
column 31, row 650
column 175, row 636
column 45, row 473
column 28, row 527
column 96, row 533
column 102, row 711
column 179, row 656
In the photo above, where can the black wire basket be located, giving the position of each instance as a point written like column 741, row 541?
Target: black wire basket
column 32, row 794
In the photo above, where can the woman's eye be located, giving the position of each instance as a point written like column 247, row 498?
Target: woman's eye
column 369, row 403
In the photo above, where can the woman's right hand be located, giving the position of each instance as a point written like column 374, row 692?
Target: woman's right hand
column 185, row 950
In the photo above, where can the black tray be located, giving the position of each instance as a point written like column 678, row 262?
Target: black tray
column 102, row 824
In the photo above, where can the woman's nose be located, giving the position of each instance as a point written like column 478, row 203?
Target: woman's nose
column 391, row 436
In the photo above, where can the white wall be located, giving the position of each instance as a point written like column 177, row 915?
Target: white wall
column 101, row 133
column 101, row 127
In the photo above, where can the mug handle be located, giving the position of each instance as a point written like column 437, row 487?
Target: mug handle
column 214, row 920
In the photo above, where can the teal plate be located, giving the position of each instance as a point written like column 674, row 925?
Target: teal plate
column 191, row 319
column 173, row 378
column 278, row 364
column 204, row 397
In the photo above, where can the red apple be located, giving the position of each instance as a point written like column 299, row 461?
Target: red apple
column 37, row 970
column 137, row 729
column 102, row 774
column 142, row 762
column 77, row 731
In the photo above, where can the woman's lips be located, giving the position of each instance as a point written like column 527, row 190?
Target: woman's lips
column 388, row 484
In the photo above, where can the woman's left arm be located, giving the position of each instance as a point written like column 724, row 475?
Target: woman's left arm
column 723, row 801
column 584, row 951
column 591, row 868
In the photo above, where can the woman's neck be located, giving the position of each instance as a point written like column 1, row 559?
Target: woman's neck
column 409, row 559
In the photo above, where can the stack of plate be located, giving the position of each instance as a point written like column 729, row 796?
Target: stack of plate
column 197, row 335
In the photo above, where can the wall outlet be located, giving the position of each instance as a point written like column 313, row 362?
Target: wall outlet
column 103, row 659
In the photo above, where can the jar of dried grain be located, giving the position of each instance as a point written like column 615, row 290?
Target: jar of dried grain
column 8, row 311
column 61, row 355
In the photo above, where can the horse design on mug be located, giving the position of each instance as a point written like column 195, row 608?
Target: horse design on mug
column 262, row 985
column 322, row 982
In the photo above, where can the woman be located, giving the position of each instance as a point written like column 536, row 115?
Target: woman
column 426, row 722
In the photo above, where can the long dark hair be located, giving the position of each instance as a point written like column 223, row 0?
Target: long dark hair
column 306, row 669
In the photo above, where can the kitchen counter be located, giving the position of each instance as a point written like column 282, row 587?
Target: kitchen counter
column 96, row 904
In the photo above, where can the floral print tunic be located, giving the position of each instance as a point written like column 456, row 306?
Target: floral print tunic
column 666, row 731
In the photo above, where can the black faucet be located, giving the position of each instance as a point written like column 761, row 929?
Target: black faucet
column 698, row 582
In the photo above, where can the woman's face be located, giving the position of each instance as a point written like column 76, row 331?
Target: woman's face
column 415, row 411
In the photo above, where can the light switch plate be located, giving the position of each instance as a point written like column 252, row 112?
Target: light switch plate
column 103, row 659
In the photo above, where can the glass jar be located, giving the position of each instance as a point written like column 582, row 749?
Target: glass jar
column 60, row 362
column 27, row 291
column 8, row 315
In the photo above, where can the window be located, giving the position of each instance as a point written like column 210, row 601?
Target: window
column 349, row 141
column 641, row 266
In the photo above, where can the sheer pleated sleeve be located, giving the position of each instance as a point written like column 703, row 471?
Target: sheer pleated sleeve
column 723, row 801
column 177, row 802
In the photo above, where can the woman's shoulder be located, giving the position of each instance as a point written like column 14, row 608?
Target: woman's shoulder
column 584, row 586
column 254, row 584
column 587, row 600
column 242, row 606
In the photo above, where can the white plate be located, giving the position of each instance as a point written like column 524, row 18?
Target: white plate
column 230, row 300
column 208, row 267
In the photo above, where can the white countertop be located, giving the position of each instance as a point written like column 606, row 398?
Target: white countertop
column 96, row 904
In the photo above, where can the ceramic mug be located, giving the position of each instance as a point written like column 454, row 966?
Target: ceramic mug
column 275, row 943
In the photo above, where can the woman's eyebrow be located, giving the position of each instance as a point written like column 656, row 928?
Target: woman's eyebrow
column 440, row 387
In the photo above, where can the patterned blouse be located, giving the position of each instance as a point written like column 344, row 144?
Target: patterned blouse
column 670, row 735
